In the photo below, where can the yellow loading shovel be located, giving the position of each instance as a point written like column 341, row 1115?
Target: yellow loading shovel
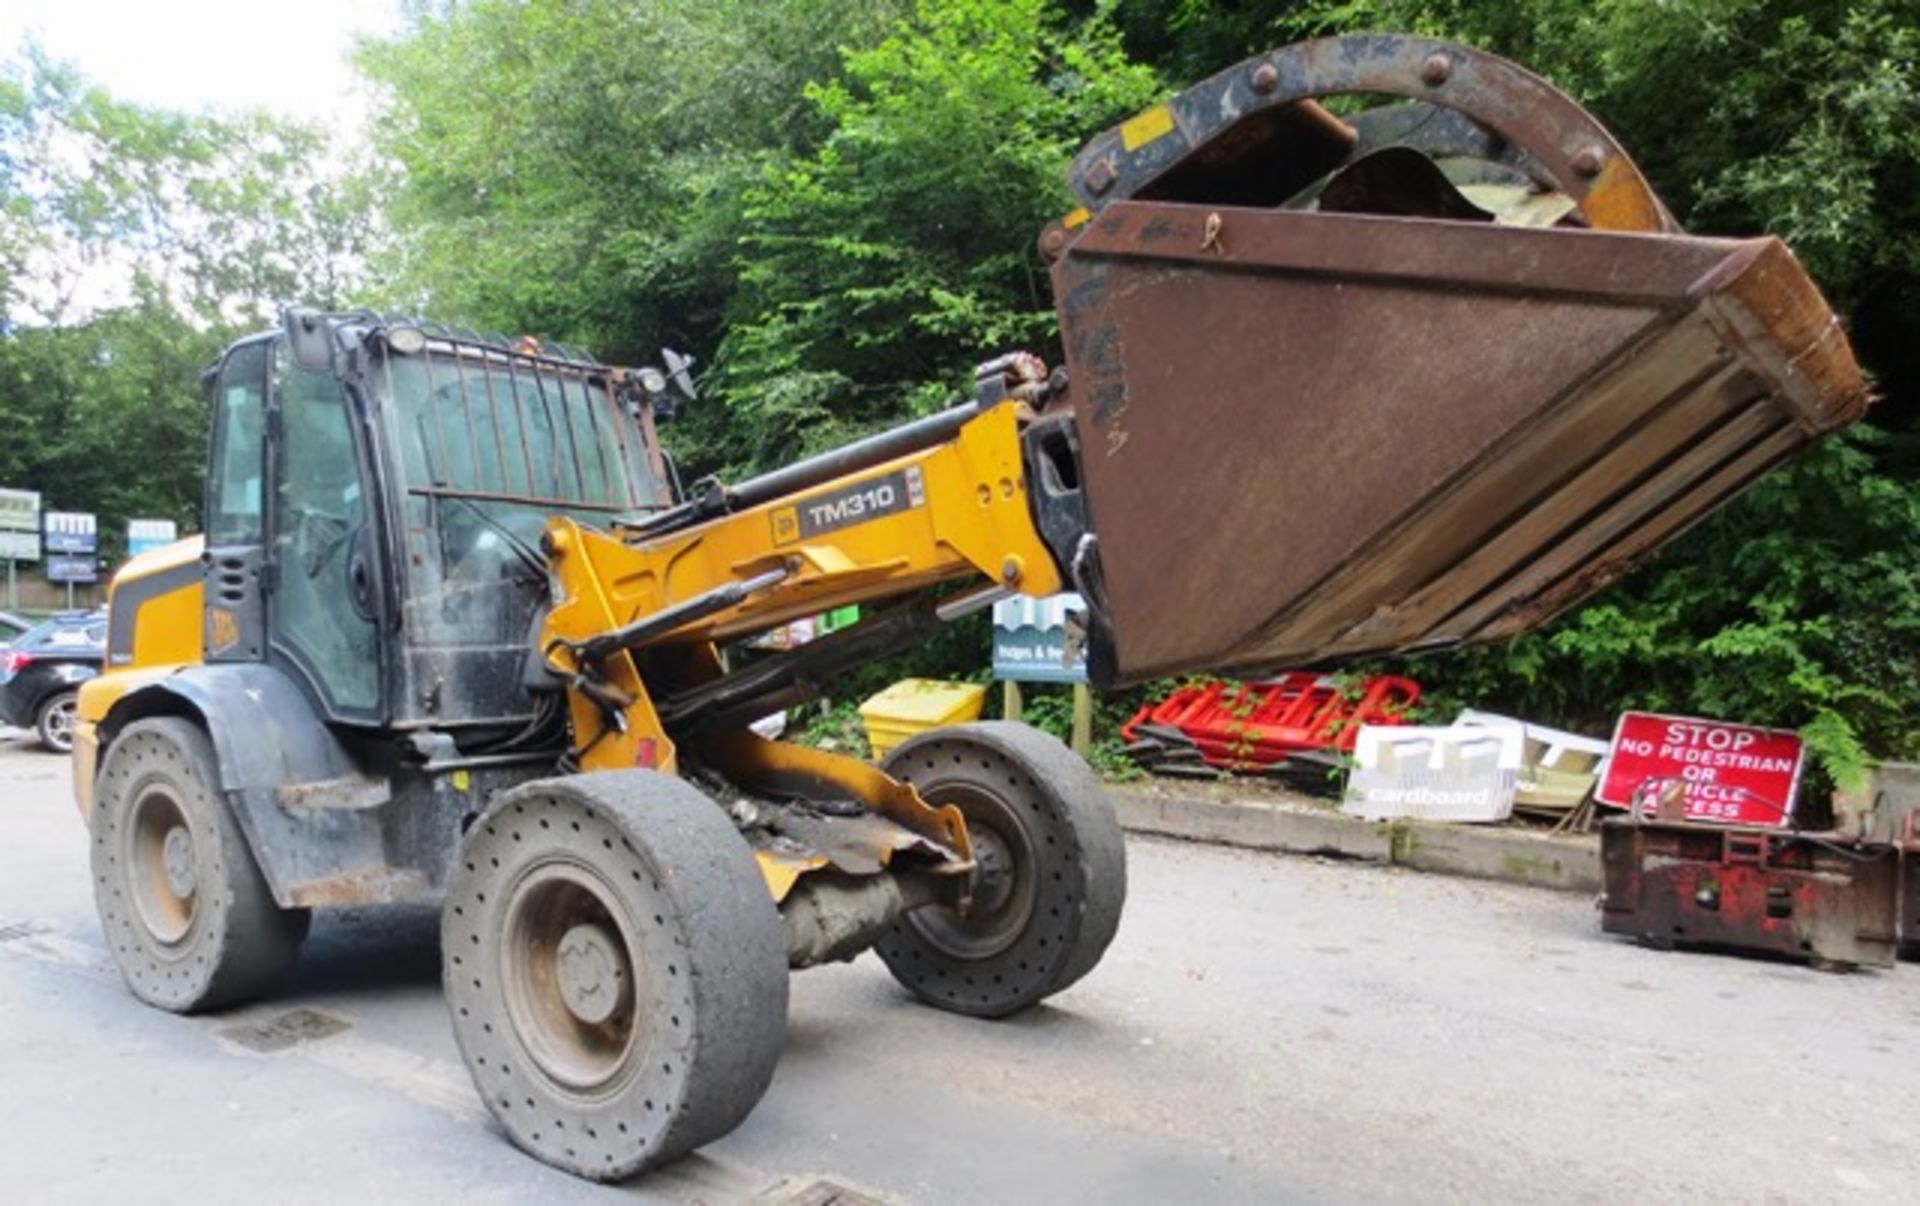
column 1414, row 375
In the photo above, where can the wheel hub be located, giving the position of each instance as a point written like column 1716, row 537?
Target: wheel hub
column 570, row 982
column 60, row 723
column 176, row 854
column 993, row 874
column 592, row 975
column 1002, row 887
column 158, row 856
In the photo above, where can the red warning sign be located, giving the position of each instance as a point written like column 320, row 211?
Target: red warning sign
column 1733, row 773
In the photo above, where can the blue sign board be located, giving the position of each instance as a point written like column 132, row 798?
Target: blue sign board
column 1030, row 640
column 145, row 534
column 71, row 568
column 70, row 532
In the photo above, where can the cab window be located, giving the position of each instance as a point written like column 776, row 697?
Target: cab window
column 321, row 612
column 239, row 447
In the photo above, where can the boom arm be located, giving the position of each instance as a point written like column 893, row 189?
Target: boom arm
column 953, row 512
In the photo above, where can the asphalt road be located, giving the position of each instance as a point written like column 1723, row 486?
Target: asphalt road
column 1264, row 1029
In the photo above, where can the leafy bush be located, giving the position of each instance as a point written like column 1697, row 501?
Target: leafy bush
column 833, row 725
column 877, row 270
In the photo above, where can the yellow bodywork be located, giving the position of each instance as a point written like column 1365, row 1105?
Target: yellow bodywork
column 973, row 521
column 151, row 633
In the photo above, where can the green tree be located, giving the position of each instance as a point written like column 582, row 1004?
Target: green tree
column 575, row 168
column 877, row 270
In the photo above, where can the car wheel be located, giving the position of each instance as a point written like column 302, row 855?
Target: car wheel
column 55, row 720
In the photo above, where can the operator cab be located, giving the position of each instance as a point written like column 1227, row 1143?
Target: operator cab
column 379, row 476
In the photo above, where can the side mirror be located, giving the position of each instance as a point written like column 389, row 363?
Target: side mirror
column 654, row 383
column 680, row 370
column 309, row 338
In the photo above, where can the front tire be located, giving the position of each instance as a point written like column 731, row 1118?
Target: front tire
column 1052, row 878
column 54, row 722
column 616, row 970
column 190, row 920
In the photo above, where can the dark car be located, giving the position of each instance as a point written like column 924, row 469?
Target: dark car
column 41, row 673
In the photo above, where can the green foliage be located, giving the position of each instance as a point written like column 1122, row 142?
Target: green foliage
column 832, row 725
column 105, row 204
column 575, row 167
column 87, row 407
column 1799, row 606
column 1049, row 708
column 876, row 270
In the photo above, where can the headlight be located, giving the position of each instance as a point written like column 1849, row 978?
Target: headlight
column 408, row 341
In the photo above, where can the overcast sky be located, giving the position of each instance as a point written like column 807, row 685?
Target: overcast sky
column 210, row 54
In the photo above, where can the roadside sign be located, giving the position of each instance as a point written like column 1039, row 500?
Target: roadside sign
column 1732, row 773
column 20, row 525
column 145, row 534
column 71, row 532
column 72, row 567
column 1030, row 640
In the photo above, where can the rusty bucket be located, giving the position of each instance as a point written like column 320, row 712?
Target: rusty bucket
column 1424, row 374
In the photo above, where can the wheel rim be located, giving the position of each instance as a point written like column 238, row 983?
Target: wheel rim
column 59, row 724
column 161, row 865
column 1003, row 887
column 570, row 978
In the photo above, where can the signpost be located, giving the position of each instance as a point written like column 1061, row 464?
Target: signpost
column 1033, row 642
column 1731, row 773
column 147, row 534
column 19, row 534
column 73, row 546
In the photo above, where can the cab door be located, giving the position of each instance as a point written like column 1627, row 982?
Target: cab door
column 291, row 562
column 323, row 611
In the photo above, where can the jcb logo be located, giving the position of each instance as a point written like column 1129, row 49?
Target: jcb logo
column 223, row 631
column 786, row 525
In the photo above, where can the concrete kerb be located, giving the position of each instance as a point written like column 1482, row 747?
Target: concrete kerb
column 1570, row 864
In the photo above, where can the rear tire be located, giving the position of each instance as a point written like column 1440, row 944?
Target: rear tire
column 190, row 921
column 616, row 970
column 53, row 723
column 1053, row 877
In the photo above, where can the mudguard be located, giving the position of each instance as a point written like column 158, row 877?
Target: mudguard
column 316, row 820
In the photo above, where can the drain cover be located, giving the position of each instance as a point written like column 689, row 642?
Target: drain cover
column 284, row 1030
column 821, row 1192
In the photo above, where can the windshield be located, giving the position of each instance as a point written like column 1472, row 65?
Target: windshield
column 515, row 430
column 488, row 447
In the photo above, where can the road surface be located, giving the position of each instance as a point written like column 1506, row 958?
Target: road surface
column 1263, row 1030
